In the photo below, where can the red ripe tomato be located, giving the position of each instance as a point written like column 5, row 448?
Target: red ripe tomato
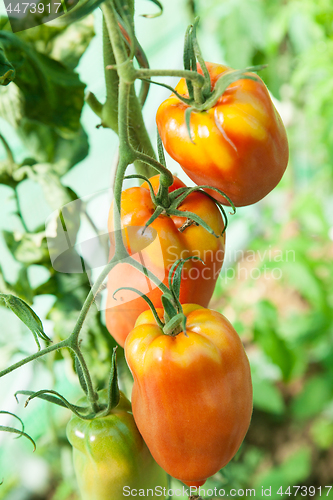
column 164, row 241
column 239, row 145
column 192, row 393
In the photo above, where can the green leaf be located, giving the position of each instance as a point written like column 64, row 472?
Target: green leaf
column 28, row 248
column 11, row 104
column 47, row 145
column 82, row 9
column 295, row 469
column 322, row 433
column 301, row 276
column 315, row 395
column 26, row 315
column 7, row 70
column 50, row 93
column 65, row 43
column 22, row 286
column 267, row 397
column 266, row 335
column 56, row 194
column 6, row 170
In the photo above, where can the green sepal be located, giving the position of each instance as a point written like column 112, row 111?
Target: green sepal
column 169, row 307
column 58, row 399
column 4, row 412
column 176, row 193
column 171, row 328
column 182, row 193
column 114, row 394
column 16, row 431
column 189, row 59
column 159, row 5
column 175, row 275
column 157, row 212
column 147, row 299
column 143, row 177
column 160, row 150
column 195, row 218
column 113, row 389
column 27, row 316
column 187, row 117
column 175, row 286
column 196, row 48
column 223, row 83
column 217, row 191
column 189, row 102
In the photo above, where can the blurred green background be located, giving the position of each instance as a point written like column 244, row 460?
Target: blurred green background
column 276, row 285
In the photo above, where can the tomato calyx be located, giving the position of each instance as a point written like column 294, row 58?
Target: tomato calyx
column 174, row 318
column 171, row 201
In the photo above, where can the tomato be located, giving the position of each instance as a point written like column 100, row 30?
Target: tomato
column 109, row 453
column 239, row 145
column 172, row 242
column 192, row 393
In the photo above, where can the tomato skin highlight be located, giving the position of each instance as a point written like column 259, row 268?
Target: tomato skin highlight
column 109, row 453
column 192, row 395
column 239, row 145
column 170, row 244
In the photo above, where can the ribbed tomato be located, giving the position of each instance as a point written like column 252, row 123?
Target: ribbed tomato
column 239, row 145
column 192, row 393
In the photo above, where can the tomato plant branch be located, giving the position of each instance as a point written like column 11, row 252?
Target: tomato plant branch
column 32, row 357
column 197, row 79
column 116, row 39
column 19, row 211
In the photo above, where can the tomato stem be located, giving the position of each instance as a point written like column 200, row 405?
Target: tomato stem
column 115, row 57
column 195, row 77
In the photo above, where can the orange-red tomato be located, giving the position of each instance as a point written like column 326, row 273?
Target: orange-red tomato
column 239, row 145
column 163, row 242
column 192, row 393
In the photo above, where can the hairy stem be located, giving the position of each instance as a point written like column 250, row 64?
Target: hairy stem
column 38, row 354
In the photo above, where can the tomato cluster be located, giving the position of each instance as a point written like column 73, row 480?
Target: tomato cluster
column 192, row 392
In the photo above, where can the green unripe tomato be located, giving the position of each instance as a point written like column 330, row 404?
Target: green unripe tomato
column 110, row 453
